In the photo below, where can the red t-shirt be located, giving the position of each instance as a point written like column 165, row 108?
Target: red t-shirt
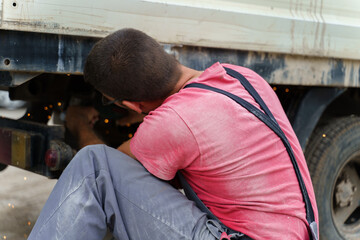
column 237, row 166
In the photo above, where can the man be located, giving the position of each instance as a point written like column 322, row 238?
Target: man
column 236, row 164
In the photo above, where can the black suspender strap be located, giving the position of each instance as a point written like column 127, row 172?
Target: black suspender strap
column 267, row 118
column 273, row 124
column 189, row 192
column 192, row 195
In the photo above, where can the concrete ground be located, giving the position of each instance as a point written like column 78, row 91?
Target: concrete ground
column 22, row 196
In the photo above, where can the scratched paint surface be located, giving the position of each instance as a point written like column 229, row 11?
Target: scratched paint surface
column 325, row 28
column 277, row 68
column 34, row 53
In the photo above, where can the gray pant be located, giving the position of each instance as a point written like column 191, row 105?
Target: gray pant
column 104, row 188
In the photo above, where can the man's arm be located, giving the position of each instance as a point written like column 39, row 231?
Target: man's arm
column 125, row 148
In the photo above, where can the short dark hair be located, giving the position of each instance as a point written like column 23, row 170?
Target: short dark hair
column 130, row 65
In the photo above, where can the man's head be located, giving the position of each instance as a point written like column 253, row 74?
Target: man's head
column 130, row 65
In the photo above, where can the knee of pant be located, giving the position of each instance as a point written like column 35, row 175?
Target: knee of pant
column 87, row 157
column 95, row 157
column 90, row 149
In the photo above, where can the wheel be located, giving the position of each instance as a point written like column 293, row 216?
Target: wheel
column 333, row 157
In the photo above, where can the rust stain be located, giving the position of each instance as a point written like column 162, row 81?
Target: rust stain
column 322, row 39
column 319, row 36
column 292, row 30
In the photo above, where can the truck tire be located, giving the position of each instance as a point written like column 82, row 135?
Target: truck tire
column 333, row 156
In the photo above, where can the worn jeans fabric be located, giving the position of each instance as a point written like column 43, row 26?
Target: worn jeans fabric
column 104, row 188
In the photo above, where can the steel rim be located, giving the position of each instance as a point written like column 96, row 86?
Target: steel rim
column 346, row 198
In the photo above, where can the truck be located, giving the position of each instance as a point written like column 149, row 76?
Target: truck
column 308, row 51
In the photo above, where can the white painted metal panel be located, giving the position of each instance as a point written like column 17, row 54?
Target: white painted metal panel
column 325, row 28
column 1, row 5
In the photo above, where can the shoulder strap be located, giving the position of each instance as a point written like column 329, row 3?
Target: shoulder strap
column 267, row 118
column 251, row 90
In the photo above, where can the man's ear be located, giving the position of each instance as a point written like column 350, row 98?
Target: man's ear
column 136, row 106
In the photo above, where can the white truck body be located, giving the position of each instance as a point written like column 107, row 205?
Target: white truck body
column 322, row 28
column 309, row 50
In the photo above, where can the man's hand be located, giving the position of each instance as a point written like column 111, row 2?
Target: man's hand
column 80, row 122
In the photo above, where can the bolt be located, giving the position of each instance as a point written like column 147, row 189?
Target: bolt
column 7, row 61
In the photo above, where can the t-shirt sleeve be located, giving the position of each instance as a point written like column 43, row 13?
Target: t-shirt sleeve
column 164, row 143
